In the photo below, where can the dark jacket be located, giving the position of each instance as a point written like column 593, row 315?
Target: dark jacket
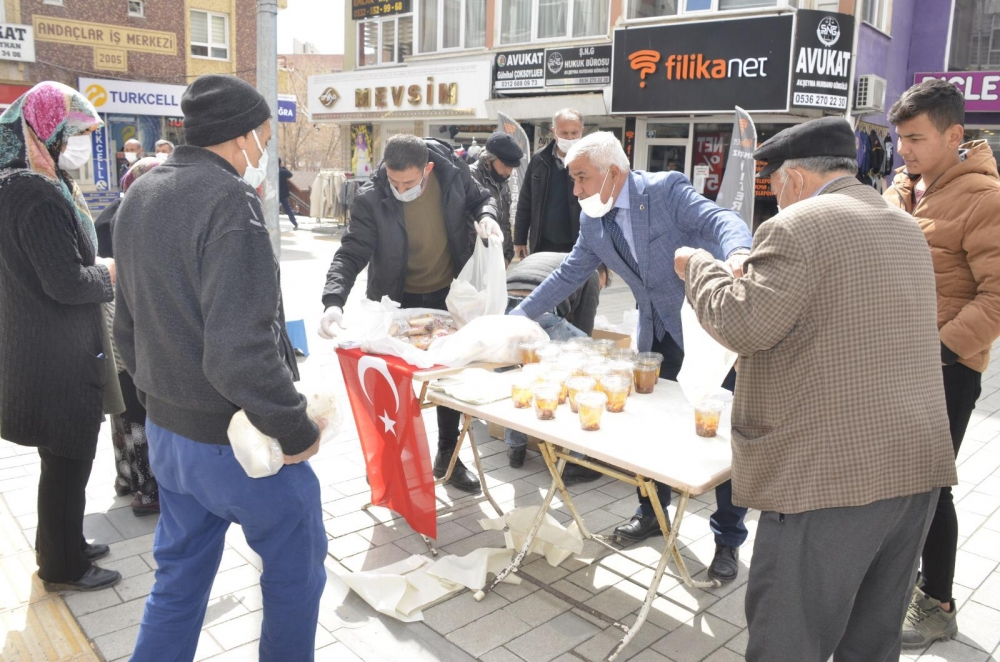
column 579, row 308
column 103, row 226
column 483, row 172
column 376, row 236
column 53, row 367
column 284, row 177
column 533, row 197
column 199, row 320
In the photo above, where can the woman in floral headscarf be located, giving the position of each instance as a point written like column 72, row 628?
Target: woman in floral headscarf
column 135, row 476
column 55, row 352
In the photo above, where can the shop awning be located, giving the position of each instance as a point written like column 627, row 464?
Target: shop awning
column 10, row 93
column 544, row 107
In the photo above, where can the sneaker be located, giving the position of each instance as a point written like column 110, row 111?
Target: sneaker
column 926, row 622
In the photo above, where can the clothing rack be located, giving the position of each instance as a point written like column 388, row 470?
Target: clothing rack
column 881, row 131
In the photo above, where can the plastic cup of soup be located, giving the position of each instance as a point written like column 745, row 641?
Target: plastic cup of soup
column 706, row 417
column 520, row 391
column 548, row 353
column 616, row 388
column 599, row 371
column 647, row 372
column 605, row 346
column 573, row 362
column 619, row 354
column 560, row 377
column 577, row 385
column 546, row 400
column 529, row 351
column 590, row 405
column 624, row 368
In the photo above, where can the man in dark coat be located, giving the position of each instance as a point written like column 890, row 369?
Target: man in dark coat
column 284, row 184
column 493, row 170
column 413, row 226
column 200, row 327
column 548, row 214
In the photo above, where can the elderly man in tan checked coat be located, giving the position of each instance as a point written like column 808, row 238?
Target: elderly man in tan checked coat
column 840, row 433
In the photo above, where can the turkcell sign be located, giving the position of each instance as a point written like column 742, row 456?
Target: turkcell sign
column 102, row 172
column 287, row 107
column 134, row 98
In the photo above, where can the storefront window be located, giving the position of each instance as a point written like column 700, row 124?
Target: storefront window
column 451, row 24
column 975, row 36
column 554, row 19
column 663, row 130
column 385, row 41
column 657, row 8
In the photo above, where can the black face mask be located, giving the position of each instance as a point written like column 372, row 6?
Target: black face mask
column 496, row 174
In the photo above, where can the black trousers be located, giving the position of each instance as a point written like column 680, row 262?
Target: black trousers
column 448, row 419
column 962, row 386
column 62, row 498
column 727, row 520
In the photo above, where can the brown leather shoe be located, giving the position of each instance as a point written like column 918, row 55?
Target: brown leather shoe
column 140, row 509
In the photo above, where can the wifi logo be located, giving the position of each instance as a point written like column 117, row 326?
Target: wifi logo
column 644, row 62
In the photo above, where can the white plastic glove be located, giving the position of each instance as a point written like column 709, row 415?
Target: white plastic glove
column 331, row 322
column 486, row 227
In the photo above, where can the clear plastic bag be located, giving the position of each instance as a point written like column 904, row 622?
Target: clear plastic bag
column 481, row 287
column 706, row 362
column 260, row 455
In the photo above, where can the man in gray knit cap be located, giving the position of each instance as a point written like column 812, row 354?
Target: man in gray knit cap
column 200, row 326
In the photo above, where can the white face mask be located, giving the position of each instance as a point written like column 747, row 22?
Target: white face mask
column 255, row 176
column 131, row 157
column 162, row 156
column 77, row 153
column 565, row 144
column 785, row 187
column 593, row 206
column 411, row 194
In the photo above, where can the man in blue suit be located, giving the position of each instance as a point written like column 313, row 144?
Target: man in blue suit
column 633, row 222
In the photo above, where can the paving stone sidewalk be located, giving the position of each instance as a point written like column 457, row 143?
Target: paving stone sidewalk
column 514, row 622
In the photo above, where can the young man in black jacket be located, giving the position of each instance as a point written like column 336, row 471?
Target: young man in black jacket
column 200, row 327
column 413, row 226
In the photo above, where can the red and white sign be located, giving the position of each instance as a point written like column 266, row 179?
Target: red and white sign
column 393, row 439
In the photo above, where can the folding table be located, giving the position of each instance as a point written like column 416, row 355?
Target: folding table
column 652, row 440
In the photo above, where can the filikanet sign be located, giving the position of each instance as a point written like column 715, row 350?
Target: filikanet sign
column 519, row 70
column 584, row 65
column 824, row 42
column 17, row 42
column 287, row 107
column 705, row 67
column 981, row 88
column 118, row 96
column 361, row 9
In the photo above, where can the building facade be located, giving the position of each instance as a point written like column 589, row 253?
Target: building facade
column 664, row 75
column 133, row 60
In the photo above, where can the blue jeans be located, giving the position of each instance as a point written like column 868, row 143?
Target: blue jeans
column 558, row 329
column 202, row 490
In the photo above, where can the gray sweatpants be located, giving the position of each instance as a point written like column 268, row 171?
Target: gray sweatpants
column 835, row 581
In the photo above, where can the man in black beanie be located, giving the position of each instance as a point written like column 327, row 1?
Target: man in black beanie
column 201, row 330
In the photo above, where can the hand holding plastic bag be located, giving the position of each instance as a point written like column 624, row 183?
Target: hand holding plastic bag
column 481, row 287
column 260, row 455
column 706, row 362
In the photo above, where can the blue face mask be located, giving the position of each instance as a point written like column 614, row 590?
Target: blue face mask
column 411, row 194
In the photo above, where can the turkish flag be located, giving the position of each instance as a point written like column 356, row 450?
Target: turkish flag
column 386, row 411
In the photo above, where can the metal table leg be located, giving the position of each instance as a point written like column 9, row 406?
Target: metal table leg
column 532, row 532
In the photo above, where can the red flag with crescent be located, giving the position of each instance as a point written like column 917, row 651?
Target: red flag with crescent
column 393, row 439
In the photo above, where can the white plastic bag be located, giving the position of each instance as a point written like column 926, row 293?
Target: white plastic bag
column 260, row 455
column 368, row 327
column 706, row 362
column 491, row 339
column 481, row 287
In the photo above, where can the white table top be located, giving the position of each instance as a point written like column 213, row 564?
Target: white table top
column 653, row 437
